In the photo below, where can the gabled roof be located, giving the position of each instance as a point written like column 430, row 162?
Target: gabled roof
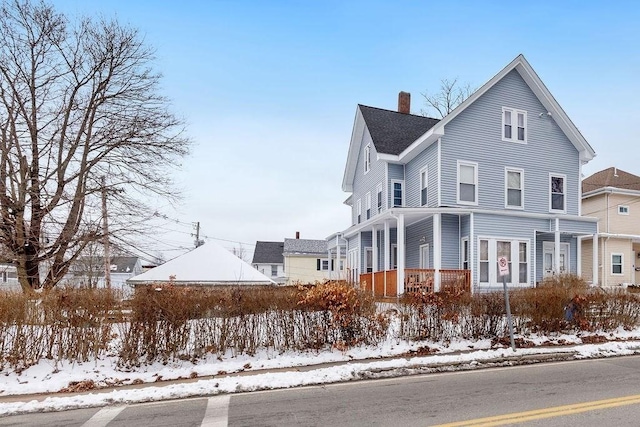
column 123, row 264
column 611, row 178
column 305, row 247
column 392, row 132
column 408, row 152
column 209, row 264
column 268, row 253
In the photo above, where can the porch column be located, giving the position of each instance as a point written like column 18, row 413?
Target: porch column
column 579, row 256
column 338, row 274
column 374, row 249
column 595, row 280
column 400, row 260
column 437, row 251
column 556, row 255
column 374, row 246
column 329, row 259
column 387, row 245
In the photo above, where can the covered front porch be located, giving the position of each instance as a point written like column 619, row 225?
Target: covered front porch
column 385, row 283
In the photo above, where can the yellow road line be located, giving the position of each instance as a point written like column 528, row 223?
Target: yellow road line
column 557, row 411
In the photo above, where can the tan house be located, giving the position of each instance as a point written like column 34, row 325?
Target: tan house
column 309, row 261
column 613, row 196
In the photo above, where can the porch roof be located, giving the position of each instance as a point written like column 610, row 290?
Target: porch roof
column 413, row 215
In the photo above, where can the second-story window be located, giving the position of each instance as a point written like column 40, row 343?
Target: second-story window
column 274, row 270
column 514, row 125
column 367, row 203
column 623, row 210
column 358, row 211
column 424, row 184
column 367, row 158
column 398, row 196
column 557, row 193
column 467, row 183
column 379, row 201
column 513, row 186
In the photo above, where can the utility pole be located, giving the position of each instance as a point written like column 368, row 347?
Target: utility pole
column 198, row 242
column 105, row 229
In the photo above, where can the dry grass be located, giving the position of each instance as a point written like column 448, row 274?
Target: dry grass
column 168, row 322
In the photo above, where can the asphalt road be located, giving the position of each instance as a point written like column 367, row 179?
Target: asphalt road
column 585, row 393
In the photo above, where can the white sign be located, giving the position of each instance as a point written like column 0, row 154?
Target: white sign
column 503, row 266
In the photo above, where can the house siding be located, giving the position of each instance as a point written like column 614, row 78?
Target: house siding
column 479, row 130
column 450, row 229
column 428, row 158
column 396, row 172
column 415, row 233
column 364, row 183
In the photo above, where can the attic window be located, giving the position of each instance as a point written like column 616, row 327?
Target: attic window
column 514, row 125
column 367, row 158
column 623, row 210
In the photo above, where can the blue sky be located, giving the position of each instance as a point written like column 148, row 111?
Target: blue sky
column 269, row 90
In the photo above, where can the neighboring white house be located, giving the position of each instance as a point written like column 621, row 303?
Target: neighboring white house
column 268, row 259
column 209, row 264
column 8, row 277
column 89, row 272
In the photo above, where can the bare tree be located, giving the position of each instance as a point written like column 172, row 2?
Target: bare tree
column 79, row 101
column 240, row 252
column 450, row 95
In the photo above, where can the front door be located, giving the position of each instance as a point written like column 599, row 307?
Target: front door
column 424, row 256
column 549, row 251
column 352, row 266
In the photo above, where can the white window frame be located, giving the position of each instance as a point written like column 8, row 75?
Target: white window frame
column 393, row 195
column 276, row 270
column 424, row 185
column 506, row 187
column 367, row 158
column 379, row 198
column 421, row 250
column 475, row 182
column 359, row 211
column 367, row 205
column 368, row 250
column 621, row 264
column 564, row 193
column 514, row 125
column 464, row 259
column 514, row 260
column 623, row 210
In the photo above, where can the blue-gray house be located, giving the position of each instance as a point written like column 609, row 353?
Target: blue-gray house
column 436, row 203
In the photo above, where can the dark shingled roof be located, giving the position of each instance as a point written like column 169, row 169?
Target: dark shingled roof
column 268, row 253
column 393, row 132
column 305, row 246
column 611, row 177
column 124, row 264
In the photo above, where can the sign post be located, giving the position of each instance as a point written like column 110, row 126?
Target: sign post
column 503, row 269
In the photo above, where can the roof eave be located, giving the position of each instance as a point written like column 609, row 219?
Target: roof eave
column 354, row 148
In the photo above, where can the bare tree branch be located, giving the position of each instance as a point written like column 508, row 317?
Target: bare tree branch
column 450, row 95
column 78, row 101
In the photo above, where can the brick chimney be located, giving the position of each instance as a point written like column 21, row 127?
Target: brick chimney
column 404, row 102
column 297, row 234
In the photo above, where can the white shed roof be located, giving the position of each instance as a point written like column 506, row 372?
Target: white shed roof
column 209, row 264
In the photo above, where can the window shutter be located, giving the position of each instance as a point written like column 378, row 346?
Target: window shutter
column 318, row 264
column 332, row 264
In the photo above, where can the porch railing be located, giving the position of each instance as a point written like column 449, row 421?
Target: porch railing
column 385, row 283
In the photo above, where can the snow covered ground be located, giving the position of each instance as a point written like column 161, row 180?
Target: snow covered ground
column 269, row 371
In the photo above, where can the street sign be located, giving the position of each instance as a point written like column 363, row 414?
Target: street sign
column 503, row 266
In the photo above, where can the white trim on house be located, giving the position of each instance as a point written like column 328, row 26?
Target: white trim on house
column 367, row 158
column 367, row 205
column 513, row 123
column 379, row 199
column 621, row 263
column 474, row 165
column 439, row 172
column 514, row 258
column 564, row 192
column 393, row 195
column 508, row 169
column 424, row 185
